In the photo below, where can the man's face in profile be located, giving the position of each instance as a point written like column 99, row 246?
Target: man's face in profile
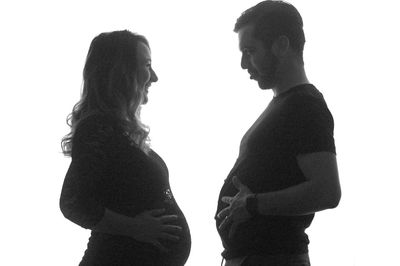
column 259, row 61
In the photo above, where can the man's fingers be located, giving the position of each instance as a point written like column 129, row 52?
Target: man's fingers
column 223, row 213
column 227, row 199
column 236, row 182
column 224, row 223
column 232, row 230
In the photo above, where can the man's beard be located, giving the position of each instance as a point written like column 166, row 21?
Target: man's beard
column 268, row 78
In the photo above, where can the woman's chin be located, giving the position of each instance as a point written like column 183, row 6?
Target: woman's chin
column 145, row 99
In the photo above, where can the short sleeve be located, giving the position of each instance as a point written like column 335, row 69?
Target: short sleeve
column 80, row 199
column 310, row 125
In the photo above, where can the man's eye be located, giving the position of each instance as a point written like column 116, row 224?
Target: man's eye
column 247, row 51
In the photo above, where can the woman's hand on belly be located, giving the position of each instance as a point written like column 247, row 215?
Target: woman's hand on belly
column 153, row 226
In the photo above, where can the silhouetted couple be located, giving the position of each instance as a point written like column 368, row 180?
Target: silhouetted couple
column 118, row 187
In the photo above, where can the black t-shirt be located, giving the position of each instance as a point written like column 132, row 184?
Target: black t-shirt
column 109, row 171
column 295, row 122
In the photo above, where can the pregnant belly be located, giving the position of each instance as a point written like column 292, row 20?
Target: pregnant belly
column 105, row 249
column 178, row 252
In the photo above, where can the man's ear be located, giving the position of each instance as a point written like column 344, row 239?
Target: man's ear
column 281, row 46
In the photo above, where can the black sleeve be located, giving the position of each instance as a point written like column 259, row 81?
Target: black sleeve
column 80, row 199
column 311, row 126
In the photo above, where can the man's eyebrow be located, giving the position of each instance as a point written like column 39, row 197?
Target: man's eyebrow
column 244, row 47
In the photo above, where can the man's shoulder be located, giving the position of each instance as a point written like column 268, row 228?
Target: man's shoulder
column 305, row 92
column 305, row 97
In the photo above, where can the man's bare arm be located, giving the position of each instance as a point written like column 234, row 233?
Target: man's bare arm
column 320, row 191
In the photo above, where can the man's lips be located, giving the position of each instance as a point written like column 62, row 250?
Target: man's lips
column 252, row 75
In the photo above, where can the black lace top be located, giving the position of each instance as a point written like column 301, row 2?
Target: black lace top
column 109, row 171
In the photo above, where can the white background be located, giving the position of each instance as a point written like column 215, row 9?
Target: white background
column 198, row 111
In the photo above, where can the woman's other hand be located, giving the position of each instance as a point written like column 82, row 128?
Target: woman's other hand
column 149, row 226
column 153, row 225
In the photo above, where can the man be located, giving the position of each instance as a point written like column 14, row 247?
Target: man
column 286, row 169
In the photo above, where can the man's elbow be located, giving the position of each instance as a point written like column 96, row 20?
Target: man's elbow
column 334, row 198
column 65, row 209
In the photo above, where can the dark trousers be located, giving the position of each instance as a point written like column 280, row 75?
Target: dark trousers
column 271, row 260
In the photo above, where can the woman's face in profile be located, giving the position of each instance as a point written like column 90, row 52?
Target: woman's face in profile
column 145, row 73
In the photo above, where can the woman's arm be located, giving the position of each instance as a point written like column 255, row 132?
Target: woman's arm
column 149, row 226
column 80, row 202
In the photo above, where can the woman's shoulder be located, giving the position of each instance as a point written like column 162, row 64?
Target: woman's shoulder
column 97, row 120
column 95, row 124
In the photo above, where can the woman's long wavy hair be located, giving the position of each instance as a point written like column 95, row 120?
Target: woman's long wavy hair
column 110, row 87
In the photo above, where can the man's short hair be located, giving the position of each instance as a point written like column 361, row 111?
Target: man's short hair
column 272, row 19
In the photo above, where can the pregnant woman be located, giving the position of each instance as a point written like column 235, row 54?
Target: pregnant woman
column 116, row 185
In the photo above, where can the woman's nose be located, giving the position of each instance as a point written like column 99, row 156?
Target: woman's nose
column 154, row 77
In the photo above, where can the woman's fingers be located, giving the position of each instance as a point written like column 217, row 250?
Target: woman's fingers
column 156, row 212
column 168, row 218
column 171, row 237
column 173, row 229
column 167, row 225
column 160, row 246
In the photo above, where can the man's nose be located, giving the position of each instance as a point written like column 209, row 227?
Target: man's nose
column 244, row 62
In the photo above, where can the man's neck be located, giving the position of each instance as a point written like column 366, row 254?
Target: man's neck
column 289, row 79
